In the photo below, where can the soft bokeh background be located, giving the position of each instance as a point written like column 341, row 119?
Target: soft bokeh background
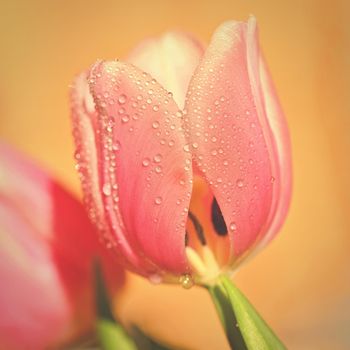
column 301, row 282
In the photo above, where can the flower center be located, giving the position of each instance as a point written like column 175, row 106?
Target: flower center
column 207, row 240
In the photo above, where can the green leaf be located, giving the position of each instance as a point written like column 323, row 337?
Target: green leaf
column 256, row 333
column 112, row 336
column 145, row 342
column 227, row 317
column 110, row 333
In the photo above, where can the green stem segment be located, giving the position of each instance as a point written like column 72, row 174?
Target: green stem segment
column 110, row 333
column 244, row 327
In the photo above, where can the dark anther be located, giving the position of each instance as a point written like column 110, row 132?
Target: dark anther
column 217, row 219
column 186, row 239
column 198, row 227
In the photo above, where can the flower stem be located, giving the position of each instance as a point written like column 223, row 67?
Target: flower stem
column 244, row 327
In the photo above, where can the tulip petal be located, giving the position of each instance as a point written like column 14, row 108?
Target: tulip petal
column 85, row 132
column 46, row 251
column 233, row 142
column 144, row 170
column 283, row 181
column 34, row 306
column 171, row 59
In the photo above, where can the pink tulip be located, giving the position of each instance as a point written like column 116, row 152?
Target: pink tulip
column 188, row 183
column 46, row 251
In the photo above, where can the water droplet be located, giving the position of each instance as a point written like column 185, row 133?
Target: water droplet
column 158, row 169
column 155, row 125
column 272, row 179
column 122, row 99
column 158, row 200
column 157, row 158
column 106, row 189
column 239, row 183
column 125, row 118
column 146, row 162
column 156, row 108
column 155, row 278
column 186, row 148
column 233, row 226
column 186, row 281
column 195, row 145
column 116, row 146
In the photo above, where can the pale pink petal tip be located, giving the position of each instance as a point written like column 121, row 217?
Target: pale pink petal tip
column 171, row 59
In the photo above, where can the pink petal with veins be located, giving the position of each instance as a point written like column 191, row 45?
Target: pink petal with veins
column 231, row 136
column 143, row 168
column 87, row 137
column 171, row 59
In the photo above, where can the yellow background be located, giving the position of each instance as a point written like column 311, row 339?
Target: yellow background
column 301, row 282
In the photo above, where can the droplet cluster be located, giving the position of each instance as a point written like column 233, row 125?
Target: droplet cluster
column 141, row 166
column 229, row 141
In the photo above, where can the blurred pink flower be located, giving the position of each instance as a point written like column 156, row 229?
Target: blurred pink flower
column 185, row 183
column 46, row 251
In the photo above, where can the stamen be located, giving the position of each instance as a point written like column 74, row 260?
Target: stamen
column 195, row 261
column 209, row 259
column 217, row 219
column 198, row 228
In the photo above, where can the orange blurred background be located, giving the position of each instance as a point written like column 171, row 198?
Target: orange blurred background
column 301, row 282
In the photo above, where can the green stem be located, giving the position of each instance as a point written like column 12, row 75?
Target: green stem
column 227, row 317
column 244, row 327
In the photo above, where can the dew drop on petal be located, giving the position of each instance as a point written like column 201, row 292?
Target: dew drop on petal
column 122, row 99
column 233, row 226
column 146, row 162
column 186, row 148
column 116, row 146
column 106, row 189
column 155, row 125
column 157, row 158
column 239, row 183
column 158, row 200
column 125, row 118
column 158, row 169
column 155, row 278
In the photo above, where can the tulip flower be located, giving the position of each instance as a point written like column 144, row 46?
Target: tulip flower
column 46, row 251
column 184, row 154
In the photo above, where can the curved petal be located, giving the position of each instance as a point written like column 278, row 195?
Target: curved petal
column 232, row 140
column 46, row 251
column 144, row 170
column 34, row 306
column 171, row 59
column 86, row 135
column 265, row 96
